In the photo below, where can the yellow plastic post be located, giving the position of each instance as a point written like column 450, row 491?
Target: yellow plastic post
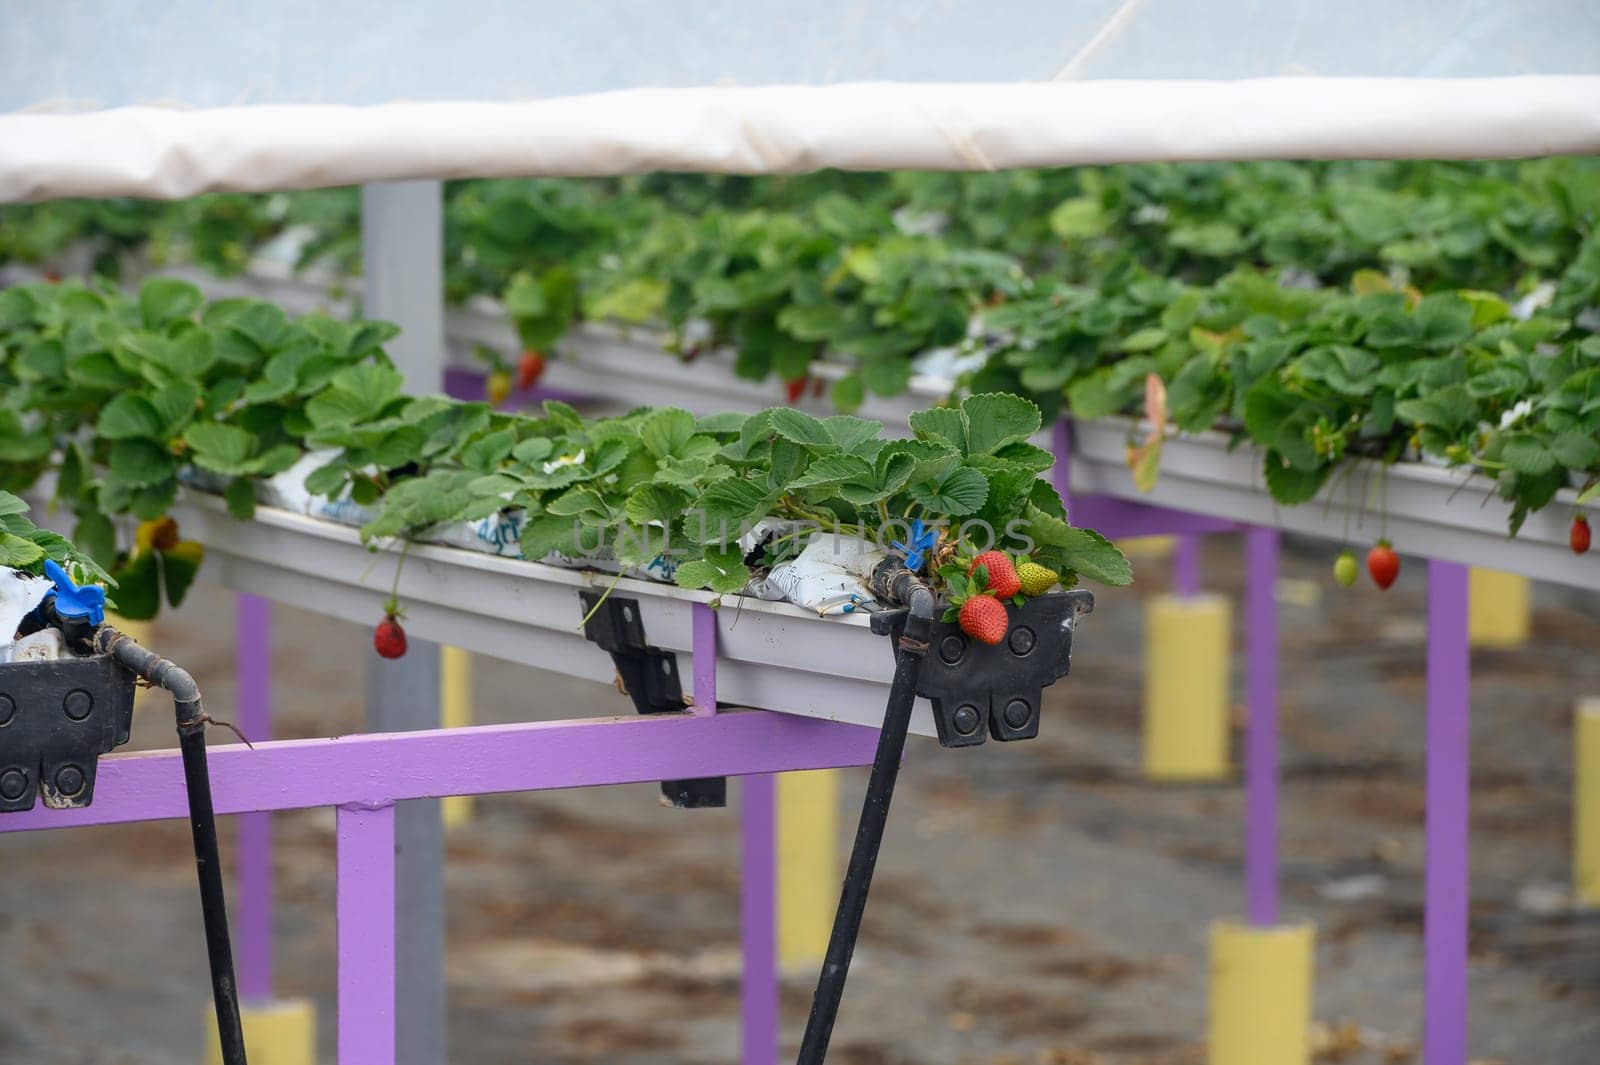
column 1186, row 690
column 1586, row 803
column 1500, row 609
column 808, row 864
column 455, row 711
column 279, row 1032
column 1147, row 546
column 1260, row 994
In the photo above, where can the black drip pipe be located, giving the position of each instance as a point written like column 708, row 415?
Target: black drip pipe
column 894, row 584
column 192, row 722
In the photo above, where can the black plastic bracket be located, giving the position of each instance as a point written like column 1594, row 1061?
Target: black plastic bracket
column 649, row 676
column 56, row 719
column 978, row 690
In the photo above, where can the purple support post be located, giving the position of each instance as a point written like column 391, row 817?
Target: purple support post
column 1186, row 566
column 704, row 655
column 758, row 879
column 1061, row 472
column 1445, row 916
column 1261, row 733
column 366, row 934
column 253, row 664
column 758, row 920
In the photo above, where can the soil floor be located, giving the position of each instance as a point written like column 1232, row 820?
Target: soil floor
column 1036, row 903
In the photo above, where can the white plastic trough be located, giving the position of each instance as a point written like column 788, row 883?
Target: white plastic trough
column 770, row 656
column 1424, row 510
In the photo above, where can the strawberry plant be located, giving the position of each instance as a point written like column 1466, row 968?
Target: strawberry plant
column 869, row 268
column 1315, row 377
column 121, row 396
column 125, row 398
column 661, row 482
column 1079, row 288
column 26, row 547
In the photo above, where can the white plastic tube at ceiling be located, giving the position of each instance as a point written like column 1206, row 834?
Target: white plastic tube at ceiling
column 100, row 99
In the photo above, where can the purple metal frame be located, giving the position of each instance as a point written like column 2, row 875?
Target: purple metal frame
column 253, row 667
column 1261, row 732
column 1186, row 566
column 377, row 768
column 363, row 776
column 758, row 919
column 366, row 927
column 1449, row 755
column 464, row 382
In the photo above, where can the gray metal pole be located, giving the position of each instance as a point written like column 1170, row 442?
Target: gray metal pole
column 402, row 247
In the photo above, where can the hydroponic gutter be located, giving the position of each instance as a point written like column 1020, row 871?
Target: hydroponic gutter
column 772, row 656
column 1424, row 510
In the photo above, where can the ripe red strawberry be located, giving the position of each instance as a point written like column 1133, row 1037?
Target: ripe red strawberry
column 389, row 639
column 1383, row 564
column 529, row 370
column 1003, row 579
column 1578, row 535
column 795, row 389
column 983, row 617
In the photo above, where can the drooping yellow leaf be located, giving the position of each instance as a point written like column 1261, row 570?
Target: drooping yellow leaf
column 1144, row 458
column 1369, row 282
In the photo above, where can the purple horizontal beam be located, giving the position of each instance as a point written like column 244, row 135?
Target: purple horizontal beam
column 1119, row 518
column 528, row 756
column 461, row 382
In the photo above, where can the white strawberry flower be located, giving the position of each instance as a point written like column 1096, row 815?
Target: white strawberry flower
column 1519, row 410
column 565, row 460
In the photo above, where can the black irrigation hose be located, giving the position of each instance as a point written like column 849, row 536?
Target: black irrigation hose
column 202, row 820
column 874, row 816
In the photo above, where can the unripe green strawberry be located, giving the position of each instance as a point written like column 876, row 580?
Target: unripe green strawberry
column 1346, row 569
column 1037, row 579
column 1003, row 580
column 497, row 389
column 983, row 617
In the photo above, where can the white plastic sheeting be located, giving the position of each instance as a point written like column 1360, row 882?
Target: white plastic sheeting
column 95, row 54
column 171, row 153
